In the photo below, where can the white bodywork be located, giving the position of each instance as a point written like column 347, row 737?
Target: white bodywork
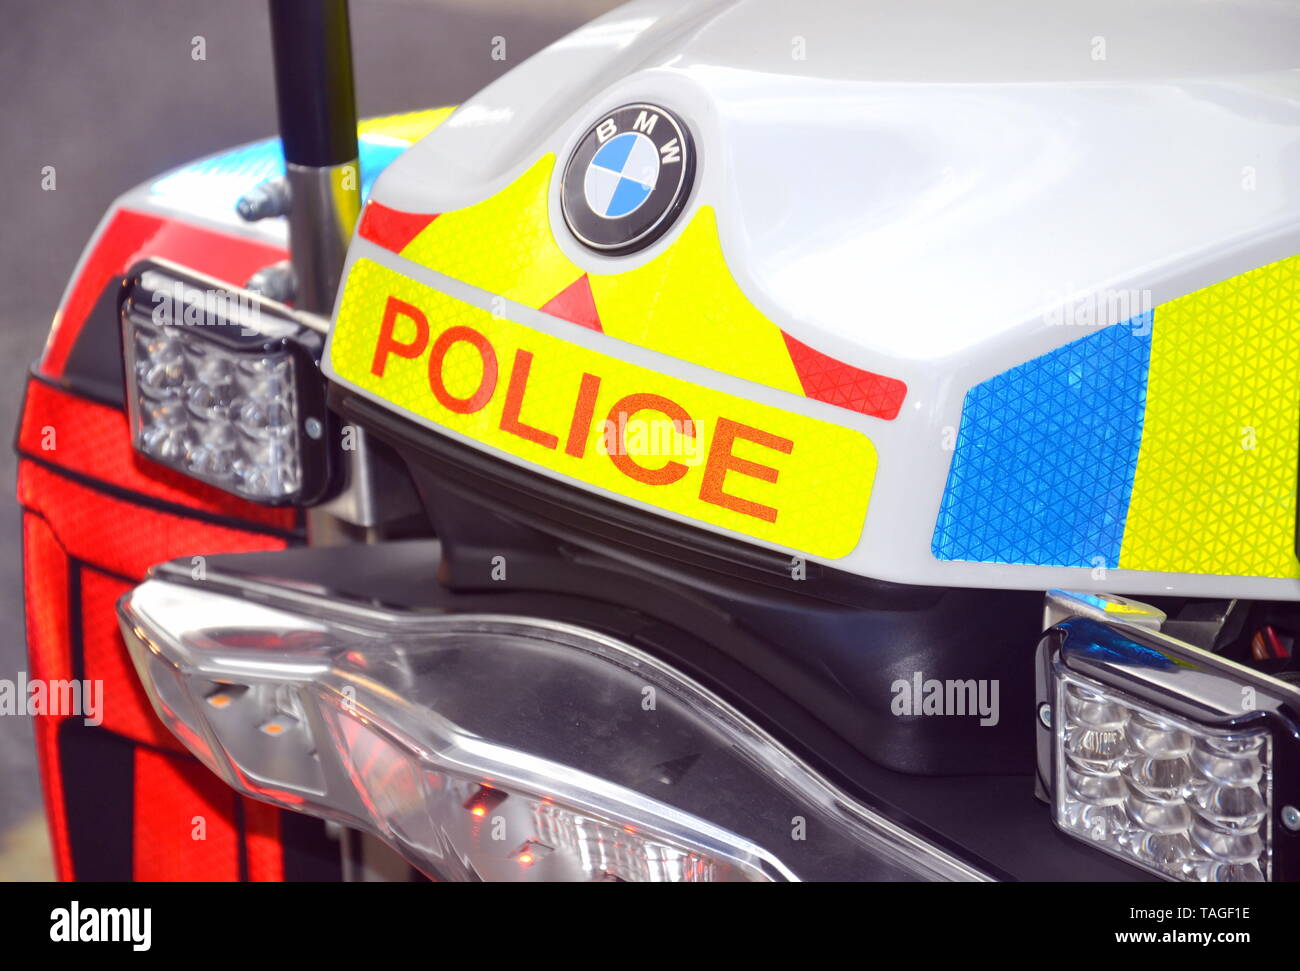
column 922, row 189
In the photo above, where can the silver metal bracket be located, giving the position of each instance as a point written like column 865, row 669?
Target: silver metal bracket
column 1059, row 605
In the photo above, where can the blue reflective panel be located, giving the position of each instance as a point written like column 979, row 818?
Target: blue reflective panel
column 1043, row 469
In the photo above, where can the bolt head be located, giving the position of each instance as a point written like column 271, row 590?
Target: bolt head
column 1045, row 714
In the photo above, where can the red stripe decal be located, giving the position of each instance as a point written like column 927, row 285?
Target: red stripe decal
column 122, row 537
column 92, row 439
column 837, row 383
column 184, row 815
column 575, row 304
column 262, row 841
column 127, row 710
column 45, row 578
column 392, row 228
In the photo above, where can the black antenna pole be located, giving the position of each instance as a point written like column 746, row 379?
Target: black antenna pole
column 312, row 45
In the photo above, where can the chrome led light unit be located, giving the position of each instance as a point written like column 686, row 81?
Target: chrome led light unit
column 1168, row 756
column 221, row 386
column 492, row 747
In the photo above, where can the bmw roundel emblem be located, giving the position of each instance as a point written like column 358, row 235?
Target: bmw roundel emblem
column 628, row 178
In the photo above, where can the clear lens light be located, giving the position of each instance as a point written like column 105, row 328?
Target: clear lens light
column 435, row 814
column 224, row 417
column 428, row 731
column 1187, row 801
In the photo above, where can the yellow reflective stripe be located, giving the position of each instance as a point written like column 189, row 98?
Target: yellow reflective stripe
column 502, row 244
column 748, row 467
column 409, row 126
column 1215, row 489
column 685, row 303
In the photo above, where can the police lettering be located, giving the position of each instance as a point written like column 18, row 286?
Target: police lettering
column 404, row 332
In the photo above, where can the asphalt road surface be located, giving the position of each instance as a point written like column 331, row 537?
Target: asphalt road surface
column 107, row 92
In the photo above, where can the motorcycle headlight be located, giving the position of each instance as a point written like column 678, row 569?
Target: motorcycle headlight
column 1168, row 756
column 494, row 747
